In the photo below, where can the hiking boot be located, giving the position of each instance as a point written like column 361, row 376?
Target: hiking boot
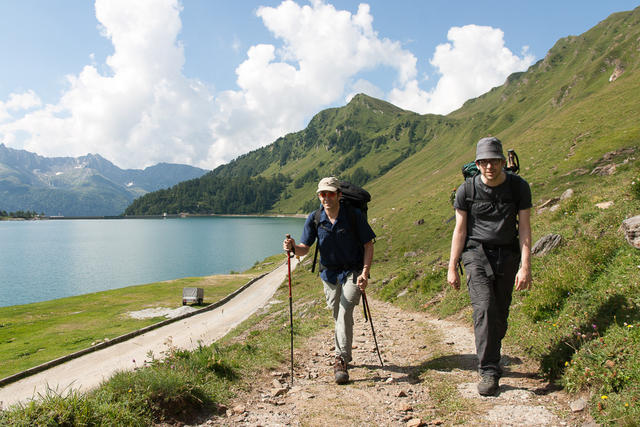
column 488, row 385
column 340, row 370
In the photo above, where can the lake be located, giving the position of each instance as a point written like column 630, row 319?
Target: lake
column 49, row 259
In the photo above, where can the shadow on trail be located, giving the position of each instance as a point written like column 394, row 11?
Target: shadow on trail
column 449, row 363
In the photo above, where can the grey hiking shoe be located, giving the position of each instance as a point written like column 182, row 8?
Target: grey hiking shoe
column 488, row 385
column 340, row 370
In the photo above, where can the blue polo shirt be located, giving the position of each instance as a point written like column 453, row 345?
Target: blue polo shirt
column 340, row 251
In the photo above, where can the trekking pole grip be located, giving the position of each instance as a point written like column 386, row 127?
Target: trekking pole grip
column 290, row 254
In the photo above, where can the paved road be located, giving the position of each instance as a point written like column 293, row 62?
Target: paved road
column 90, row 370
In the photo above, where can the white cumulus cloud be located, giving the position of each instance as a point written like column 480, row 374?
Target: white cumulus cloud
column 18, row 102
column 475, row 61
column 322, row 51
column 141, row 109
column 141, row 112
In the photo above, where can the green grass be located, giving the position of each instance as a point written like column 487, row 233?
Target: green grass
column 32, row 334
column 184, row 384
column 585, row 294
column 561, row 116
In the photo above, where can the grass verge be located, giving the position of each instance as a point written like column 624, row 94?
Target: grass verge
column 186, row 384
column 32, row 334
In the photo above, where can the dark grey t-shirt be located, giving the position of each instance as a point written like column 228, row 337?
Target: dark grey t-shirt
column 492, row 218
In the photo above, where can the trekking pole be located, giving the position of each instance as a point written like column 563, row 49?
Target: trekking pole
column 289, row 256
column 367, row 314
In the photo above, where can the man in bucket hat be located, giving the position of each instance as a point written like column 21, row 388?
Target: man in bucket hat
column 345, row 240
column 492, row 238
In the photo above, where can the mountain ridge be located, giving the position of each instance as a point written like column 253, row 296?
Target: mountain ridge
column 79, row 186
column 573, row 119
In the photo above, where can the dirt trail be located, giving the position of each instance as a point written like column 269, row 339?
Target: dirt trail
column 429, row 378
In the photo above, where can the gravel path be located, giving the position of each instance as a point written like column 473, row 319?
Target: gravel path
column 89, row 371
column 429, row 375
column 429, row 378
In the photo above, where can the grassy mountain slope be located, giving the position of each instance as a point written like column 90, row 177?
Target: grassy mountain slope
column 573, row 120
column 358, row 142
column 552, row 138
column 565, row 118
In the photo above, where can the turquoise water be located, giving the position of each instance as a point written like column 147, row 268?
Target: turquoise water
column 44, row 260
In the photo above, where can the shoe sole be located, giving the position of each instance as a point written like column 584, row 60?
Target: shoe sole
column 342, row 379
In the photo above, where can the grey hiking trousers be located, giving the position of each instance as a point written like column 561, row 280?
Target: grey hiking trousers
column 490, row 278
column 341, row 299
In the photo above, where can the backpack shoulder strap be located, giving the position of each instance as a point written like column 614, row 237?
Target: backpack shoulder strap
column 470, row 191
column 316, row 216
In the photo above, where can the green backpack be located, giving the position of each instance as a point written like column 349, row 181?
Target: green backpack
column 469, row 170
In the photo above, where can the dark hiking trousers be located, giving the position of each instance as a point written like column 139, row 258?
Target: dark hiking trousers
column 490, row 278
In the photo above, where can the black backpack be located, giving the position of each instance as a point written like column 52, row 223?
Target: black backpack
column 353, row 197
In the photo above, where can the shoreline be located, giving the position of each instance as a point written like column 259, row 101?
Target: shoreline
column 164, row 216
column 87, row 368
column 126, row 336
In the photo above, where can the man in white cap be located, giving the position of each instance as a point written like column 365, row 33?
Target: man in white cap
column 492, row 238
column 345, row 241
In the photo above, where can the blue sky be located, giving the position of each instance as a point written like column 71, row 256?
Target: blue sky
column 201, row 82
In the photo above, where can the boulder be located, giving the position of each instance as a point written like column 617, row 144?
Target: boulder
column 547, row 205
column 546, row 244
column 604, row 205
column 567, row 194
column 631, row 229
column 549, row 202
column 604, row 170
column 616, row 73
column 578, row 405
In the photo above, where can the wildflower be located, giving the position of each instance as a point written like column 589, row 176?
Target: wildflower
column 129, row 390
column 594, row 327
column 629, row 326
column 566, row 363
column 626, row 404
column 604, row 397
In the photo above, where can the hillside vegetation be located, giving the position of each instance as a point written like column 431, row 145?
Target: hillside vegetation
column 570, row 115
column 573, row 120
